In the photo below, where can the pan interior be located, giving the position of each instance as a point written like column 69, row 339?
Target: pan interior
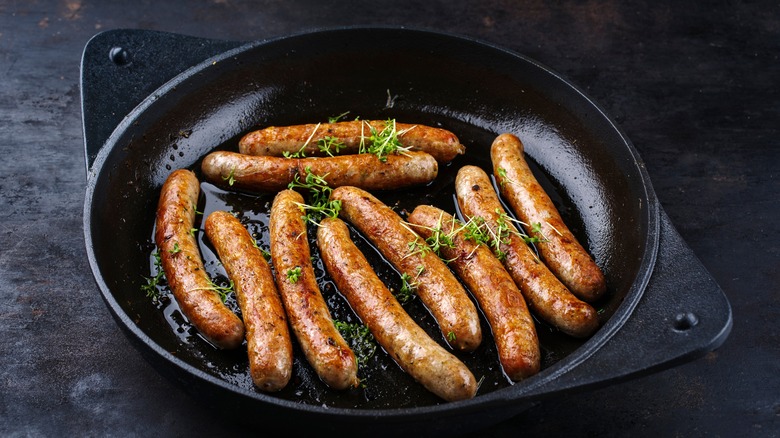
column 474, row 90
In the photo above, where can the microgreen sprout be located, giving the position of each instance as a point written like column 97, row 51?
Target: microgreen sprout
column 330, row 145
column 319, row 203
column 176, row 249
column 409, row 285
column 231, row 178
column 382, row 143
column 335, row 119
column 294, row 274
column 300, row 153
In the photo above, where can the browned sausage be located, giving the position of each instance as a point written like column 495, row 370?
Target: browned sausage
column 545, row 295
column 275, row 141
column 409, row 345
column 271, row 174
column 437, row 286
column 267, row 336
column 308, row 314
column 558, row 247
column 503, row 304
column 183, row 265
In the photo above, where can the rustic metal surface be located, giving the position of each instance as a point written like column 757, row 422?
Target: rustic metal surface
column 694, row 87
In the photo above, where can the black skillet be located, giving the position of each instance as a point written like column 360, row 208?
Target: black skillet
column 153, row 102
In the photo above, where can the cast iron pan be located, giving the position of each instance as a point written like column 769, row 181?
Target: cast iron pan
column 154, row 102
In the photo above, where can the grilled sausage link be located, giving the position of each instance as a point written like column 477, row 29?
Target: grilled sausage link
column 498, row 296
column 308, row 139
column 408, row 344
column 268, row 339
column 437, row 286
column 559, row 248
column 546, row 296
column 183, row 265
column 271, row 174
column 322, row 344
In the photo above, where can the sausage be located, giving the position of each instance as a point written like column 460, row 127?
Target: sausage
column 502, row 303
column 545, row 295
column 407, row 343
column 558, row 247
column 183, row 265
column 322, row 344
column 275, row 141
column 271, row 174
column 268, row 339
column 437, row 286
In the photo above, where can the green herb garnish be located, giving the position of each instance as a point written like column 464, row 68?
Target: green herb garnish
column 300, row 153
column 151, row 283
column 360, row 340
column 176, row 249
column 231, row 178
column 330, row 145
column 294, row 274
column 382, row 143
column 319, row 203
column 409, row 286
column 338, row 117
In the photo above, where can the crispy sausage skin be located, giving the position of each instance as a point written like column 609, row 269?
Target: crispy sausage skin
column 544, row 293
column 409, row 345
column 275, row 140
column 271, row 174
column 559, row 249
column 322, row 344
column 268, row 339
column 437, row 286
column 498, row 296
column 183, row 265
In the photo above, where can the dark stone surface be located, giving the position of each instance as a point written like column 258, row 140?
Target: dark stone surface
column 694, row 86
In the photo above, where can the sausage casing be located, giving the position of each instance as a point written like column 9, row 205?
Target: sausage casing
column 183, row 265
column 407, row 343
column 278, row 140
column 558, row 247
column 268, row 339
column 271, row 174
column 307, row 312
column 545, row 295
column 437, row 286
column 499, row 298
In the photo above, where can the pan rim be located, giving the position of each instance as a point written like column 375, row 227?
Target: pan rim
column 512, row 393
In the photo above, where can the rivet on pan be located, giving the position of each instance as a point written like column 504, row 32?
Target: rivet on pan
column 684, row 321
column 119, row 56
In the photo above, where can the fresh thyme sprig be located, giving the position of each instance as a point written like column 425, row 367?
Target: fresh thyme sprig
column 222, row 291
column 360, row 340
column 152, row 282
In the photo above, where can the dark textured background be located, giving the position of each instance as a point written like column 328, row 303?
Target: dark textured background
column 695, row 85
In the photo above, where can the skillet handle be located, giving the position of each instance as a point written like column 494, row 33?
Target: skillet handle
column 682, row 315
column 120, row 68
